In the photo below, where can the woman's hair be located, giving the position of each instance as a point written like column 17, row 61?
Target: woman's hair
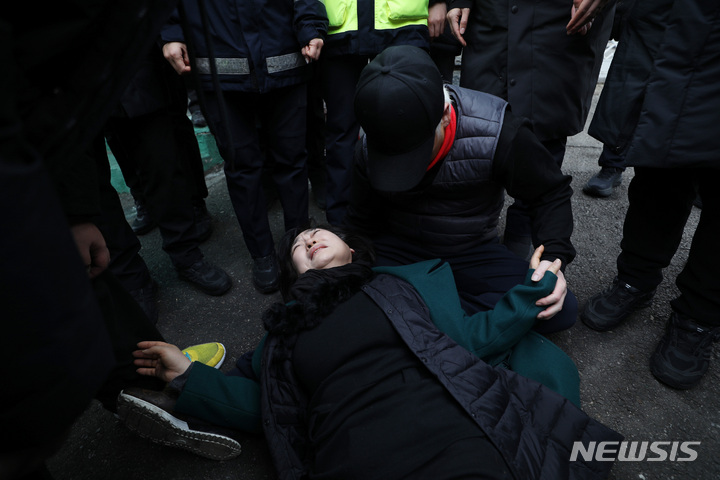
column 364, row 252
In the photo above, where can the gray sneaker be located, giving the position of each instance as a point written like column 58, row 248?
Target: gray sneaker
column 150, row 414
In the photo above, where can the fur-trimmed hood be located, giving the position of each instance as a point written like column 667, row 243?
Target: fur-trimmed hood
column 315, row 295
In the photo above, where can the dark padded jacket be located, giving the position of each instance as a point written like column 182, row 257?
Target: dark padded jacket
column 531, row 426
column 662, row 96
column 257, row 44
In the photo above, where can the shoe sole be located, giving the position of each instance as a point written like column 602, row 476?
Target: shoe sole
column 266, row 290
column 158, row 426
column 144, row 230
column 669, row 381
column 214, row 293
column 587, row 320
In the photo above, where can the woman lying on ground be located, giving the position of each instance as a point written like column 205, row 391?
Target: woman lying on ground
column 378, row 373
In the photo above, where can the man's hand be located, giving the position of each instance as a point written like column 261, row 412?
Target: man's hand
column 458, row 18
column 91, row 245
column 311, row 51
column 555, row 300
column 436, row 19
column 582, row 14
column 176, row 53
column 160, row 359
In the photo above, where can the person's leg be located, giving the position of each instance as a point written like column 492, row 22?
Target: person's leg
column 192, row 165
column 698, row 282
column 152, row 142
column 143, row 222
column 683, row 355
column 125, row 261
column 243, row 166
column 315, row 139
column 660, row 202
column 339, row 77
column 284, row 114
column 612, row 166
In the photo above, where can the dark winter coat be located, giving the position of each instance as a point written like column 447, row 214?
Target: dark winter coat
column 678, row 124
column 618, row 108
column 521, row 52
column 257, row 44
column 532, row 427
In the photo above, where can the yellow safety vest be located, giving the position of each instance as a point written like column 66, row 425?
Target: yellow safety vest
column 389, row 14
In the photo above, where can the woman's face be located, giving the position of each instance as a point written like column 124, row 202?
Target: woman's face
column 318, row 249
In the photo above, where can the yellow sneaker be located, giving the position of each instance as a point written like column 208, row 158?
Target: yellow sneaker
column 211, row 354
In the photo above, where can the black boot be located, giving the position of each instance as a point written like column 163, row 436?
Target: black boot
column 143, row 223
column 603, row 183
column 612, row 306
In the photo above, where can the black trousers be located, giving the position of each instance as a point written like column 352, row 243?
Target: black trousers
column 161, row 149
column 282, row 114
column 339, row 77
column 125, row 260
column 660, row 202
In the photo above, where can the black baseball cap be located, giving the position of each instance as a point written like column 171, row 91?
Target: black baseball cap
column 399, row 103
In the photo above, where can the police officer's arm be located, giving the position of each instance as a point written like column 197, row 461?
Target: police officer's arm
column 311, row 24
column 174, row 48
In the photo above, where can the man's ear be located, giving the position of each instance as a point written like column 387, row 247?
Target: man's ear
column 445, row 120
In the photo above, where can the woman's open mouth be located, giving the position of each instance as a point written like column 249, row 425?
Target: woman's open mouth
column 315, row 249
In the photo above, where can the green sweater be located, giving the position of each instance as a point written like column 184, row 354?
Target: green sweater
column 502, row 336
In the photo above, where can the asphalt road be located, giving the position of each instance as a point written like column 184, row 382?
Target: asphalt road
column 616, row 385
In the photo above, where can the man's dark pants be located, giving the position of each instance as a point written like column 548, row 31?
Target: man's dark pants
column 661, row 200
column 282, row 114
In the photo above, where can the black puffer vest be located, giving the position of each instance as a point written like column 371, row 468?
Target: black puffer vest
column 461, row 206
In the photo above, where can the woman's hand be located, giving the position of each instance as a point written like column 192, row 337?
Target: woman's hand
column 160, row 359
column 554, row 301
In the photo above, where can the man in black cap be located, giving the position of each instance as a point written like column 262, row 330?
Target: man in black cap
column 430, row 176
